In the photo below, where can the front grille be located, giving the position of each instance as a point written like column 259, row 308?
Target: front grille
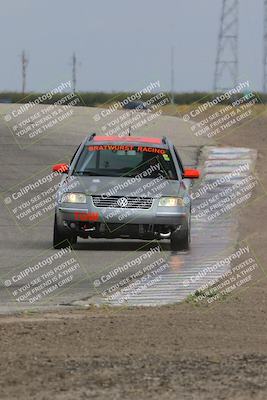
column 143, row 203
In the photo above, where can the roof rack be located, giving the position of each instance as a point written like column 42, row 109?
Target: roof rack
column 92, row 136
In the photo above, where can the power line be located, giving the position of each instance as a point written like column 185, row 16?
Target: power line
column 226, row 68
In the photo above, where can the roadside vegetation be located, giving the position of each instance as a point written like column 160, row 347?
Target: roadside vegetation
column 100, row 99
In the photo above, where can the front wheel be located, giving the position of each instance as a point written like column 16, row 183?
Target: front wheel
column 61, row 239
column 180, row 239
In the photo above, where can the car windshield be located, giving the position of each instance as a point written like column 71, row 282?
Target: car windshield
column 125, row 161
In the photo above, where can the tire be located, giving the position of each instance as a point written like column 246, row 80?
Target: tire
column 180, row 239
column 62, row 240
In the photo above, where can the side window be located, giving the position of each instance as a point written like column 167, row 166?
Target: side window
column 178, row 160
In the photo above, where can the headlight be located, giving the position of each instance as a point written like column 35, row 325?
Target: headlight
column 171, row 202
column 73, row 198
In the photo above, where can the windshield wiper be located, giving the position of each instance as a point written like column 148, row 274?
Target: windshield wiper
column 92, row 173
column 89, row 173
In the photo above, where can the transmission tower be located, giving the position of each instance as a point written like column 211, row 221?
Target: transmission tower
column 226, row 69
column 265, row 49
column 24, row 64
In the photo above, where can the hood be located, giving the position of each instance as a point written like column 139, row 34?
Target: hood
column 120, row 186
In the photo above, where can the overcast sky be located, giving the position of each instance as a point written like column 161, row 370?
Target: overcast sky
column 123, row 44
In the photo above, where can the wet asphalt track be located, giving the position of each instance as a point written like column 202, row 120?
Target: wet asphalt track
column 94, row 279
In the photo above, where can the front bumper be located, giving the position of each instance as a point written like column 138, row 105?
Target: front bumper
column 154, row 215
column 88, row 220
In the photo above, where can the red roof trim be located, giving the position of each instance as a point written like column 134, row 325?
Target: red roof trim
column 127, row 139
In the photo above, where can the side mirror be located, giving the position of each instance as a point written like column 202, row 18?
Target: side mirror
column 61, row 168
column 191, row 174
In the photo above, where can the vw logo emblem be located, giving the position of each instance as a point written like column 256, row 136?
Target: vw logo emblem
column 122, row 202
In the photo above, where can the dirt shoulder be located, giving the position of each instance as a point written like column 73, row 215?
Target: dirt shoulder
column 176, row 352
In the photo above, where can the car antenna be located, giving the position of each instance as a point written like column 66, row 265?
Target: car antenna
column 129, row 131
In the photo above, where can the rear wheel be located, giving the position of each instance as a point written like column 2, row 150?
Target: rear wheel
column 180, row 239
column 62, row 239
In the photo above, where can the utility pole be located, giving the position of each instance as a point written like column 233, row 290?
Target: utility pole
column 226, row 68
column 24, row 64
column 172, row 75
column 74, row 62
column 265, row 49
